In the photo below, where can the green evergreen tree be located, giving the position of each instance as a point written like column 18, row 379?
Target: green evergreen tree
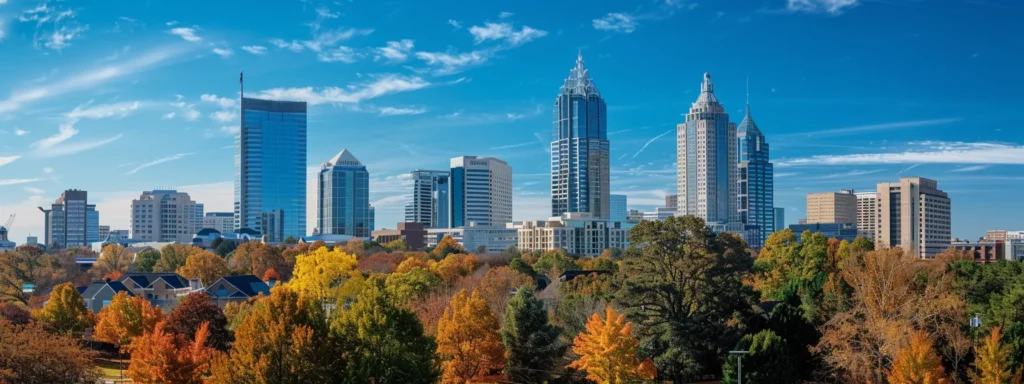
column 767, row 361
column 532, row 345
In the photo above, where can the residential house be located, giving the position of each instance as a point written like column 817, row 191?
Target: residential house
column 99, row 293
column 236, row 289
column 160, row 289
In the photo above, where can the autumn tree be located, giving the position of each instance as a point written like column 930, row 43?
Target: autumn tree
column 255, row 258
column 398, row 245
column 532, row 345
column 683, row 286
column 235, row 312
column 518, row 265
column 145, row 260
column 992, row 364
column 271, row 276
column 381, row 262
column 767, row 360
column 497, row 285
column 285, row 339
column 455, row 265
column 383, row 342
column 326, row 274
column 65, row 312
column 917, row 363
column 468, row 340
column 412, row 262
column 161, row 357
column 447, row 246
column 125, row 319
column 14, row 314
column 608, row 351
column 113, row 258
column 205, row 266
column 27, row 264
column 555, row 262
column 194, row 311
column 413, row 284
column 225, row 248
column 173, row 256
column 31, row 355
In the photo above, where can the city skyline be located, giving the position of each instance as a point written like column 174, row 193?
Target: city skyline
column 82, row 112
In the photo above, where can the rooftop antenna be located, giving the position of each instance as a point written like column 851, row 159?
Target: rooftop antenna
column 748, row 95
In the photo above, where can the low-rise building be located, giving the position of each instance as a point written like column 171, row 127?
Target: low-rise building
column 841, row 231
column 239, row 288
column 577, row 233
column 635, row 216
column 160, row 289
column 414, row 235
column 660, row 214
column 99, row 293
column 984, row 251
column 492, row 238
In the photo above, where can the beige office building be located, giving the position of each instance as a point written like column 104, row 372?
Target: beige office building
column 166, row 216
column 832, row 207
column 867, row 209
column 915, row 215
column 577, row 233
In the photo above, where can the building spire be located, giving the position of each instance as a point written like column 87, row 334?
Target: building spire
column 748, row 96
column 579, row 81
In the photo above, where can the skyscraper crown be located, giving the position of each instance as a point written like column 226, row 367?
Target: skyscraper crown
column 579, row 82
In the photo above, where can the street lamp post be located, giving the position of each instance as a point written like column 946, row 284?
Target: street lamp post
column 739, row 365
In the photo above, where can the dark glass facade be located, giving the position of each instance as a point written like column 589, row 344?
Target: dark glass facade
column 756, row 185
column 343, row 197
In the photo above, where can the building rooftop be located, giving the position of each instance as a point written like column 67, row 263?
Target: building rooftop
column 343, row 158
column 579, row 81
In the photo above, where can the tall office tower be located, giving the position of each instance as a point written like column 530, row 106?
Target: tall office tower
column 580, row 148
column 867, row 210
column 671, row 201
column 481, row 192
column 779, row 219
column 343, row 197
column 913, row 214
column 71, row 221
column 165, row 216
column 757, row 186
column 832, row 207
column 706, row 149
column 618, row 208
column 270, row 168
column 428, row 203
column 223, row 222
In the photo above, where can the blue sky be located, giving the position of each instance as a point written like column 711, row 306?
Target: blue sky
column 120, row 97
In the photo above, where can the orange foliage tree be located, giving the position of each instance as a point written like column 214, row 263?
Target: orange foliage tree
column 992, row 365
column 205, row 266
column 607, row 351
column 125, row 319
column 917, row 363
column 468, row 339
column 164, row 357
column 447, row 246
column 455, row 265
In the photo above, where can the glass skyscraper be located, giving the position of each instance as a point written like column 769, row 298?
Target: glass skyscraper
column 343, row 197
column 619, row 210
column 580, row 149
column 481, row 192
column 429, row 201
column 71, row 221
column 706, row 147
column 270, row 168
column 756, row 189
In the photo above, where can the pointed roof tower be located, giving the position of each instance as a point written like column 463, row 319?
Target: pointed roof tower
column 579, row 82
column 748, row 125
column 343, row 158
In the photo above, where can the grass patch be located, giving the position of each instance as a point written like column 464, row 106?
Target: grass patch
column 109, row 368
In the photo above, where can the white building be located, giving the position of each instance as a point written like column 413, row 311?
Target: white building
column 223, row 222
column 496, row 239
column 867, row 210
column 576, row 233
column 481, row 191
column 915, row 215
column 165, row 216
column 660, row 214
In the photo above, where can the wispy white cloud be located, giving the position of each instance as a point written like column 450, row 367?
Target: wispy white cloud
column 389, row 200
column 505, row 32
column 515, row 116
column 20, row 132
column 785, row 174
column 60, row 38
column 231, row 130
column 832, row 7
column 17, row 181
column 172, row 23
column 449, row 63
column 55, row 26
column 326, row 13
column 65, row 132
column 158, row 161
column 34, row 190
column 383, row 85
column 64, row 149
column 88, row 111
column 4, row 160
column 651, row 141
column 454, row 23
column 293, row 45
column 510, row 146
column 392, row 111
column 223, row 116
column 849, row 174
column 189, row 34
column 616, row 22
column 321, row 40
column 972, row 168
column 395, row 51
column 337, row 54
column 255, row 49
column 47, row 170
column 505, row 15
column 923, row 153
column 223, row 52
column 872, row 128
column 223, row 102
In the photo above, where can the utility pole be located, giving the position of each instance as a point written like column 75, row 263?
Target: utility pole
column 739, row 364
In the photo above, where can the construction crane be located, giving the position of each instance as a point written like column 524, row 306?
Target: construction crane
column 10, row 222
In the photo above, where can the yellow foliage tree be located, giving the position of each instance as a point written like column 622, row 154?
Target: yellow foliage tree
column 992, row 365
column 468, row 339
column 917, row 363
column 607, row 351
column 326, row 274
column 205, row 266
column 410, row 263
column 65, row 312
column 454, row 265
column 447, row 246
column 125, row 319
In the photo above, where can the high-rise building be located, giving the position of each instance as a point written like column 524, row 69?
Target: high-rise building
column 165, row 216
column 756, row 179
column 832, row 207
column 270, row 168
column 580, row 150
column 913, row 214
column 373, row 219
column 672, row 201
column 779, row 219
column 71, row 221
column 481, row 191
column 706, row 149
column 223, row 222
column 428, row 203
column 618, row 207
column 343, row 197
column 104, row 232
column 867, row 210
